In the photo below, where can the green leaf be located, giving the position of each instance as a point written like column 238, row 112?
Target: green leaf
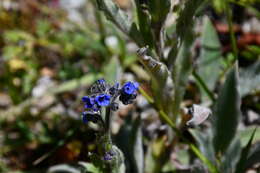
column 120, row 19
column 136, row 145
column 212, row 168
column 90, row 167
column 250, row 79
column 133, row 147
column 185, row 19
column 209, row 62
column 231, row 157
column 158, row 11
column 144, row 23
column 245, row 152
column 115, row 14
column 205, row 144
column 183, row 62
column 157, row 155
column 227, row 112
column 161, row 81
column 181, row 71
column 253, row 157
column 245, row 135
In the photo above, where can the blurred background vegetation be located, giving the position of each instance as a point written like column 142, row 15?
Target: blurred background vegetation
column 51, row 51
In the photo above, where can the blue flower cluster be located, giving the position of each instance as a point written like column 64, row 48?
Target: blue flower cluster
column 128, row 92
column 104, row 95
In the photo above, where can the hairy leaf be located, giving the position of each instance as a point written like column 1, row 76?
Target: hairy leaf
column 120, row 19
column 227, row 112
column 161, row 81
column 186, row 17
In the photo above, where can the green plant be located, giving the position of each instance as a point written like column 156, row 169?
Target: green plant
column 169, row 74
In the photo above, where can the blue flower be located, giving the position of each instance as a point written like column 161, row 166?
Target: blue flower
column 128, row 92
column 89, row 102
column 103, row 99
column 130, row 88
column 101, row 81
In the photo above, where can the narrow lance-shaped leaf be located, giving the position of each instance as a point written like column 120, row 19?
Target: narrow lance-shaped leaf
column 227, row 112
column 245, row 152
column 253, row 157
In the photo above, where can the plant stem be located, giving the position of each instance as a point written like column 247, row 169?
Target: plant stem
column 204, row 86
column 228, row 12
column 108, row 120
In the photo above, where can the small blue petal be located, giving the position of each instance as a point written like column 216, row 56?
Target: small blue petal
column 89, row 101
column 101, row 81
column 103, row 99
column 130, row 87
column 85, row 98
column 136, row 84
